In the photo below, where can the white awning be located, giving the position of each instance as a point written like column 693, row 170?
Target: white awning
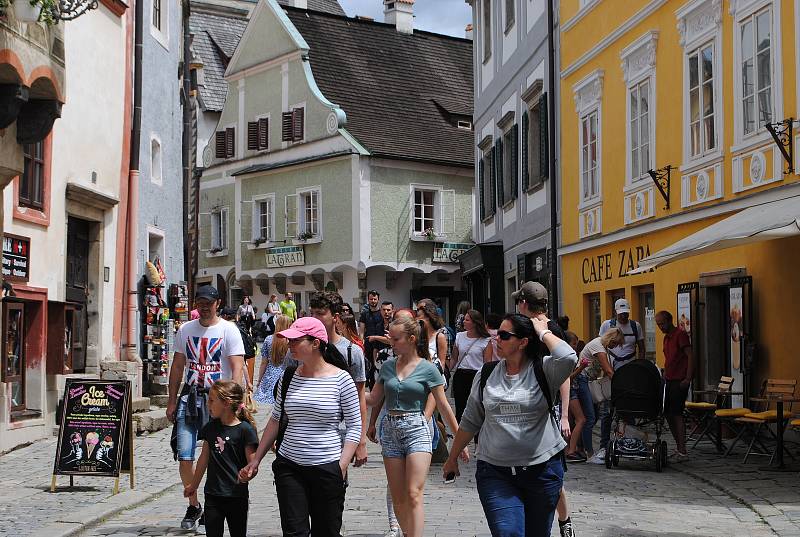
column 770, row 220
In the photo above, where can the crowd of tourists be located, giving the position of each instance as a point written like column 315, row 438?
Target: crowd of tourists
column 525, row 391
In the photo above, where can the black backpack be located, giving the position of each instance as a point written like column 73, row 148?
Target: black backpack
column 249, row 343
column 283, row 422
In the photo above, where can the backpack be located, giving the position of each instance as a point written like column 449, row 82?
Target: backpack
column 612, row 324
column 283, row 422
column 249, row 343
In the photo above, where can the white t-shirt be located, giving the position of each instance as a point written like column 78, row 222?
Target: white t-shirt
column 470, row 351
column 207, row 349
column 627, row 348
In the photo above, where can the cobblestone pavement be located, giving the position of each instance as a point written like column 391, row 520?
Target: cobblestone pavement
column 633, row 501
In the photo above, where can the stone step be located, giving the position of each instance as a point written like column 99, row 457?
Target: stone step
column 151, row 421
column 159, row 400
column 140, row 404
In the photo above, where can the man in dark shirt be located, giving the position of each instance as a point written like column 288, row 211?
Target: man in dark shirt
column 371, row 323
column 678, row 374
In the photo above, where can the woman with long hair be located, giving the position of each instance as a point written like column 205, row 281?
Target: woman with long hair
column 272, row 312
column 246, row 315
column 274, row 353
column 310, row 468
column 471, row 350
column 461, row 312
column 405, row 382
column 438, row 342
column 519, row 472
column 346, row 327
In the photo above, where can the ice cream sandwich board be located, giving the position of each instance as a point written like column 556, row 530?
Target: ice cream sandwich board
column 96, row 434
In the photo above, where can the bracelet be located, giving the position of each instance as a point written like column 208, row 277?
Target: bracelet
column 544, row 333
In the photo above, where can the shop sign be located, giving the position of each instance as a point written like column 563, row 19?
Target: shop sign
column 448, row 252
column 285, row 256
column 612, row 265
column 16, row 258
column 686, row 302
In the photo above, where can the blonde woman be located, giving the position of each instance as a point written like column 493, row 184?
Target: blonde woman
column 274, row 355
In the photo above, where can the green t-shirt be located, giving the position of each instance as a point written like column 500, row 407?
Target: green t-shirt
column 289, row 309
column 411, row 393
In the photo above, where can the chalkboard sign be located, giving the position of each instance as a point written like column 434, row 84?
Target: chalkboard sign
column 95, row 435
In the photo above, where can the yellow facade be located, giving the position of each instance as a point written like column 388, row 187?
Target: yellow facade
column 629, row 67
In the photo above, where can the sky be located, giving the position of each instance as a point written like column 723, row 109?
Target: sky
column 441, row 16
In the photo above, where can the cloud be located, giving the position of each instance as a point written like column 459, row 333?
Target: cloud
column 441, row 16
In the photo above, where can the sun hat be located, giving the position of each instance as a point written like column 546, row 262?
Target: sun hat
column 306, row 326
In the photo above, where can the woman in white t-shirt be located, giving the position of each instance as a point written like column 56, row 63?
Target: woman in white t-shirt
column 246, row 314
column 470, row 351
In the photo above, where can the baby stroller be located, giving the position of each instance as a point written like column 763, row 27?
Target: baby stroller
column 637, row 404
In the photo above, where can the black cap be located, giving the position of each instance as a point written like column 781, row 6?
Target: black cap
column 208, row 292
column 228, row 312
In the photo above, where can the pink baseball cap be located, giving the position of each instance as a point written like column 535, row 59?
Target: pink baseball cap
column 306, row 326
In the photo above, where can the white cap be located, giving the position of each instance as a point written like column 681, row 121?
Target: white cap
column 622, row 306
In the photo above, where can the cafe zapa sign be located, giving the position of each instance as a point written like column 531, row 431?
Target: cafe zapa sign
column 615, row 264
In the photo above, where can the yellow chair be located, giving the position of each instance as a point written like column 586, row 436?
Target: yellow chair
column 704, row 413
column 754, row 422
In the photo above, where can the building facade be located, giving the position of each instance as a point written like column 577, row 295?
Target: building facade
column 512, row 224
column 315, row 179
column 676, row 181
column 61, row 213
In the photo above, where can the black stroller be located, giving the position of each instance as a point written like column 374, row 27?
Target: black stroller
column 637, row 399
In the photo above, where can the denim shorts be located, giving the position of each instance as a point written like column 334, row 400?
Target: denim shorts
column 187, row 434
column 405, row 434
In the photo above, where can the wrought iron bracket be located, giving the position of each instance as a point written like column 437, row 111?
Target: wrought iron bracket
column 661, row 178
column 782, row 134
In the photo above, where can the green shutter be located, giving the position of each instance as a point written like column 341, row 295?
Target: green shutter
column 481, row 171
column 514, row 161
column 526, row 173
column 493, row 183
column 498, row 164
column 544, row 155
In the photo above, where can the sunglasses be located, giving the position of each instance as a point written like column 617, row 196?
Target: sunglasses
column 505, row 336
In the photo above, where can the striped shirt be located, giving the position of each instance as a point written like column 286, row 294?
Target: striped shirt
column 314, row 408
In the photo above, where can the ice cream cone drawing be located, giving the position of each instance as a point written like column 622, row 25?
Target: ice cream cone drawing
column 75, row 449
column 104, row 450
column 92, row 439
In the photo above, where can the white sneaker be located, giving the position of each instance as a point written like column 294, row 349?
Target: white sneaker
column 599, row 457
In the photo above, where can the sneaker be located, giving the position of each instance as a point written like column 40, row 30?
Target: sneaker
column 575, row 457
column 599, row 457
column 193, row 514
column 566, row 529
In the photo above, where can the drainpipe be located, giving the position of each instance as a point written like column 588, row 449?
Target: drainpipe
column 187, row 140
column 551, row 147
column 133, row 198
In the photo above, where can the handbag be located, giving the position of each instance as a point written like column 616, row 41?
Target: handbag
column 249, row 403
column 600, row 389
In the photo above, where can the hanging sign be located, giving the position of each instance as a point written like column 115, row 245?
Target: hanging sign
column 96, row 435
column 16, row 258
column 285, row 256
column 448, row 252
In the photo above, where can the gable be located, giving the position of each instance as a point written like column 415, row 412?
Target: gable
column 268, row 35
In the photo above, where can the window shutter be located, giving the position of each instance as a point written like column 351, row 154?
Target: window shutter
column 252, row 135
column 526, row 172
column 230, row 142
column 219, row 144
column 263, row 133
column 481, row 181
column 286, row 127
column 498, row 164
column 544, row 157
column 514, row 162
column 298, row 116
column 493, row 182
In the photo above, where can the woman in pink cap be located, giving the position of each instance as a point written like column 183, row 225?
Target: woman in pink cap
column 310, row 468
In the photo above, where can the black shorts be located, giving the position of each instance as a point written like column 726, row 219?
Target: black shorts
column 675, row 398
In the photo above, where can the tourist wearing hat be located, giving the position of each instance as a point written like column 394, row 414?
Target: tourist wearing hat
column 633, row 347
column 207, row 349
column 310, row 469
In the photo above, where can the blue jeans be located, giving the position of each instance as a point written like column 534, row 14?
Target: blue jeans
column 605, row 423
column 520, row 502
column 406, row 434
column 187, row 434
column 587, row 405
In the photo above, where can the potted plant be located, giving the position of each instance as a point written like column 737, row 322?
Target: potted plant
column 216, row 250
column 429, row 234
column 31, row 11
column 305, row 235
column 259, row 241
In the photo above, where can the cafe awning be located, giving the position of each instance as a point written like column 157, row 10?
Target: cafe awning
column 770, row 220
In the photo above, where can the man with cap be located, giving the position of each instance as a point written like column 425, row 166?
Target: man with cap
column 618, row 356
column 208, row 349
column 531, row 300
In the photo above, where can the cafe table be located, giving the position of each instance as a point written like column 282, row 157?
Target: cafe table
column 777, row 464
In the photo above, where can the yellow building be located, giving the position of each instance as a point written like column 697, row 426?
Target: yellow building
column 689, row 85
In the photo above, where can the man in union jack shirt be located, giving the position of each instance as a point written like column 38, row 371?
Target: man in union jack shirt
column 206, row 350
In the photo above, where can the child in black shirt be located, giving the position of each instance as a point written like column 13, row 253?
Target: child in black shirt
column 230, row 443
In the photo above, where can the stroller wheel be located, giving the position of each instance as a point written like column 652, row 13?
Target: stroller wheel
column 614, row 459
column 610, row 454
column 660, row 456
column 664, row 457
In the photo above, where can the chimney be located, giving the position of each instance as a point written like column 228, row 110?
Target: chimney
column 400, row 13
column 468, row 32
